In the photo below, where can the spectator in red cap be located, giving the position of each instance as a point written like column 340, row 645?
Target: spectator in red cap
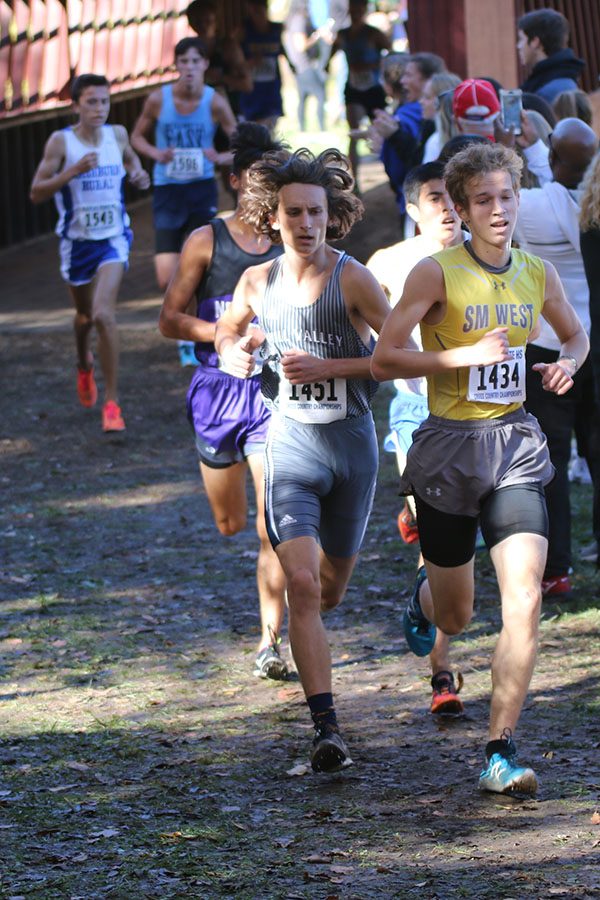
column 475, row 106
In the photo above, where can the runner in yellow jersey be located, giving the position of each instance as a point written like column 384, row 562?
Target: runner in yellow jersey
column 479, row 458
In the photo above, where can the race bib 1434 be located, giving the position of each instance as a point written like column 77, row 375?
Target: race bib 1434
column 502, row 382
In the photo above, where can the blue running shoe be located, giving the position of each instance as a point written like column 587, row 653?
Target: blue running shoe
column 502, row 775
column 187, row 355
column 418, row 631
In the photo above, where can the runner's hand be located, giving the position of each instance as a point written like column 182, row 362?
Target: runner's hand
column 166, row 155
column 300, row 367
column 555, row 378
column 492, row 348
column 86, row 164
column 140, row 179
column 237, row 359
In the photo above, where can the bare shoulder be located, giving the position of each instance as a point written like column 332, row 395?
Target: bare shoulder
column 255, row 277
column 199, row 244
column 56, row 142
column 356, row 276
column 120, row 133
column 153, row 103
column 426, row 273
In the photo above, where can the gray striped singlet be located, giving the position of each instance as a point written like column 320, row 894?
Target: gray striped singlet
column 322, row 329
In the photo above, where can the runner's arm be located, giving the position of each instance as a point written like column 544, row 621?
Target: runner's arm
column 423, row 291
column 222, row 114
column 558, row 312
column 48, row 178
column 137, row 174
column 143, row 130
column 234, row 345
column 174, row 321
column 237, row 77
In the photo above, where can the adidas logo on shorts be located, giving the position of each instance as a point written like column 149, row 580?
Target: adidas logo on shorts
column 287, row 520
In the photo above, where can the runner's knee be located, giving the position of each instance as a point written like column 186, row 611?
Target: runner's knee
column 230, row 524
column 304, row 590
column 104, row 319
column 331, row 596
column 453, row 621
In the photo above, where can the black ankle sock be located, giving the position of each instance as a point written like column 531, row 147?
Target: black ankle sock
column 501, row 746
column 322, row 709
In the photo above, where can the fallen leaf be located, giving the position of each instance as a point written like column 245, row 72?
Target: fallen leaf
column 595, row 820
column 300, row 769
column 77, row 766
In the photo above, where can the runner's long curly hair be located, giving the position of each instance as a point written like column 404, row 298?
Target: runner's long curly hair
column 329, row 170
column 590, row 196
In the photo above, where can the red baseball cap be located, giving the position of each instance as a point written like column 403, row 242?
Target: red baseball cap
column 475, row 100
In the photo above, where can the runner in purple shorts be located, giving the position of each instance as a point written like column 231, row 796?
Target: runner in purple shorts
column 228, row 415
column 84, row 168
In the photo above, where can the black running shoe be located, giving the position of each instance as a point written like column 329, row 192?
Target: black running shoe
column 329, row 753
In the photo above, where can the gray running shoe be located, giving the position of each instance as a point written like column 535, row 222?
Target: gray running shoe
column 329, row 752
column 268, row 663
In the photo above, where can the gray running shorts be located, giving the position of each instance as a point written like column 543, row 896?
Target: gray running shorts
column 320, row 481
column 454, row 465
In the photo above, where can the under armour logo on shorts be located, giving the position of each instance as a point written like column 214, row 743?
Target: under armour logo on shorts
column 435, row 492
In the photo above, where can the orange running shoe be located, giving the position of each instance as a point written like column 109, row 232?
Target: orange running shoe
column 445, row 700
column 112, row 420
column 407, row 526
column 86, row 387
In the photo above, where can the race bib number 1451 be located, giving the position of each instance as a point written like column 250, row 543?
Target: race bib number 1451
column 318, row 402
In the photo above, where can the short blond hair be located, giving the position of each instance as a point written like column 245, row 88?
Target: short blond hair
column 476, row 160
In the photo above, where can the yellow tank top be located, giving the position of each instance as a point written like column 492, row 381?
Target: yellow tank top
column 477, row 302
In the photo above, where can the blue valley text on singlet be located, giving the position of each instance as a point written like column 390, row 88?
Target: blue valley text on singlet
column 229, row 261
column 322, row 329
column 91, row 207
column 189, row 135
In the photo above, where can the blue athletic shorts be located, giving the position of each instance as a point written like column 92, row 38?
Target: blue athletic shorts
column 407, row 412
column 80, row 260
column 179, row 208
column 320, row 482
column 229, row 418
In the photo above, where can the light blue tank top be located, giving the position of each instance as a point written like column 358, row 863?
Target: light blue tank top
column 189, row 135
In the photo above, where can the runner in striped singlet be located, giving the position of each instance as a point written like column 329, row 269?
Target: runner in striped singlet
column 316, row 307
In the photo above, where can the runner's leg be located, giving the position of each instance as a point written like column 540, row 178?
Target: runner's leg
column 82, row 295
column 354, row 114
column 519, row 562
column 300, row 558
column 335, row 574
column 106, row 288
column 269, row 574
column 164, row 266
column 226, row 492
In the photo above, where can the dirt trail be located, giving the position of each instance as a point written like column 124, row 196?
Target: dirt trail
column 139, row 757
